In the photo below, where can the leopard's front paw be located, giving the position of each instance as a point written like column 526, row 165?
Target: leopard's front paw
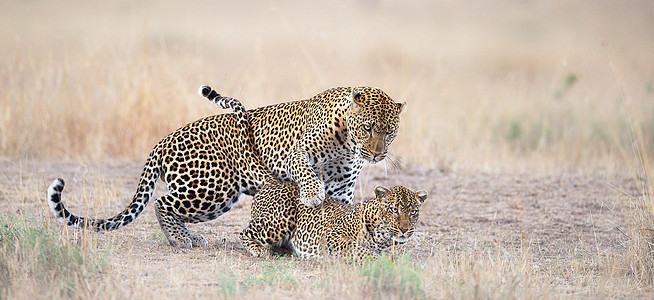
column 252, row 246
column 199, row 241
column 184, row 242
column 259, row 251
column 312, row 197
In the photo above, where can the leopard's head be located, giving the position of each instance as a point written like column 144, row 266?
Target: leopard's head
column 372, row 121
column 399, row 210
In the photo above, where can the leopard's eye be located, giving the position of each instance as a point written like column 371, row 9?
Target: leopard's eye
column 366, row 127
column 395, row 210
column 413, row 212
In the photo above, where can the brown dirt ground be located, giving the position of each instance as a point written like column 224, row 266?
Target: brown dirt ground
column 554, row 213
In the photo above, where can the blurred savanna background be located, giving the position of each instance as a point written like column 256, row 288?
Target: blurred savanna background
column 510, row 103
column 543, row 82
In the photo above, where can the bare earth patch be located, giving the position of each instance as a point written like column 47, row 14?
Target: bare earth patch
column 550, row 221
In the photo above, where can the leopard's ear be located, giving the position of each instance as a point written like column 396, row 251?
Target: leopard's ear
column 382, row 192
column 422, row 196
column 357, row 101
column 401, row 106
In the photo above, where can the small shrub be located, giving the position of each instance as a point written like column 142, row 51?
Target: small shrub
column 649, row 88
column 569, row 80
column 515, row 131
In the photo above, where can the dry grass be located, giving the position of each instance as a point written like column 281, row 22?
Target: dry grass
column 529, row 123
column 528, row 82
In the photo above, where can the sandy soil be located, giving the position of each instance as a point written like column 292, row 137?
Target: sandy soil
column 556, row 213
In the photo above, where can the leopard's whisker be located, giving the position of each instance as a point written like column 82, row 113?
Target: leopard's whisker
column 395, row 162
column 385, row 170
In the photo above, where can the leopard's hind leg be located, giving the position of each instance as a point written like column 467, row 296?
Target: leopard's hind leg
column 176, row 232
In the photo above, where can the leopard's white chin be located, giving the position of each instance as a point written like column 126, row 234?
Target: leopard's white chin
column 400, row 239
column 374, row 159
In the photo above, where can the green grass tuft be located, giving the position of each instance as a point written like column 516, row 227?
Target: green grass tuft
column 29, row 250
column 388, row 276
column 276, row 272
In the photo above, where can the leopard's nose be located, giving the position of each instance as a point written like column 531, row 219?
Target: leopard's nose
column 404, row 230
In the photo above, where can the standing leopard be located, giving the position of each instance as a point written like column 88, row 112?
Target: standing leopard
column 279, row 219
column 320, row 143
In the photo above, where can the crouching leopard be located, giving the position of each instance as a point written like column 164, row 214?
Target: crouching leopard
column 279, row 219
column 320, row 143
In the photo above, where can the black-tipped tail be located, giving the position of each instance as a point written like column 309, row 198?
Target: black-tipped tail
column 66, row 217
column 56, row 207
column 207, row 92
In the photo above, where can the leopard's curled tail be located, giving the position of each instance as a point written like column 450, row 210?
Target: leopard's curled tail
column 141, row 199
column 243, row 124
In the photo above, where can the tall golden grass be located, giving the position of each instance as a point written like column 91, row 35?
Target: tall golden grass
column 485, row 83
column 639, row 258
